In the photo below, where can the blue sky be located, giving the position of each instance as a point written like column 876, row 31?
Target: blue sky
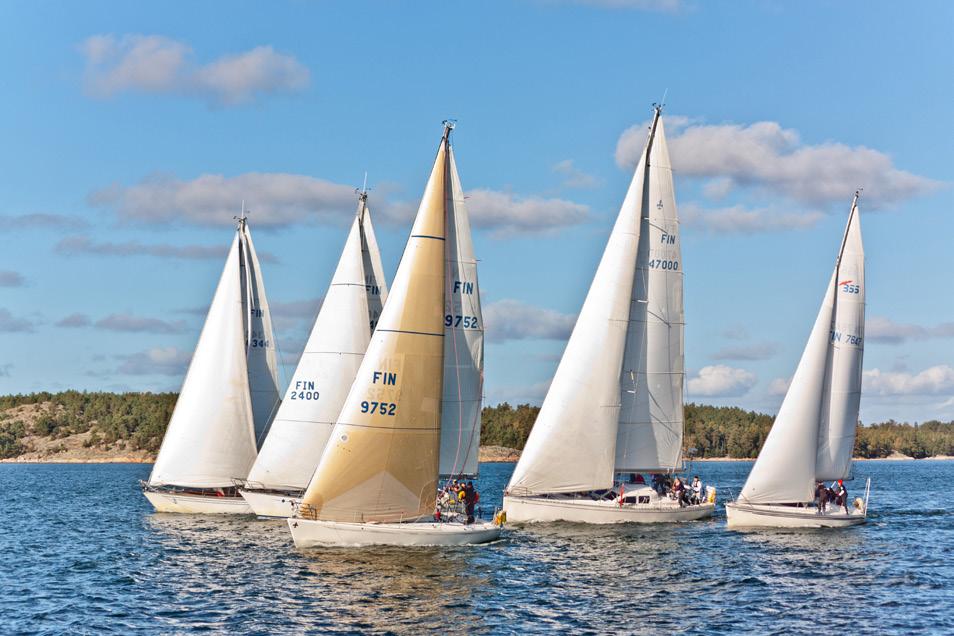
column 131, row 133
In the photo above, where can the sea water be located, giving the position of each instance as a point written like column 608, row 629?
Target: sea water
column 81, row 551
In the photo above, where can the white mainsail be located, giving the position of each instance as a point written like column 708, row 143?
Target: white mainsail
column 262, row 361
column 381, row 462
column 813, row 434
column 650, row 430
column 463, row 339
column 839, row 421
column 572, row 446
column 327, row 366
column 210, row 439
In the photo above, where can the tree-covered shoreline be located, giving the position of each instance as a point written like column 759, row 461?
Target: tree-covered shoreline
column 138, row 420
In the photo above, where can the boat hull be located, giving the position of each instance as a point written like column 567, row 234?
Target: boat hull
column 742, row 515
column 311, row 534
column 197, row 504
column 547, row 509
column 269, row 504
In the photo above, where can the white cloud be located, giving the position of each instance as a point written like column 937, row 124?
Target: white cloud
column 11, row 279
column 139, row 324
column 155, row 361
column 721, row 381
column 275, row 199
column 157, row 64
column 738, row 219
column 513, row 320
column 73, row 321
column 281, row 200
column 39, row 220
column 768, row 157
column 936, row 380
column 573, row 177
column 76, row 245
column 759, row 351
column 506, row 214
column 881, row 329
column 12, row 324
column 779, row 386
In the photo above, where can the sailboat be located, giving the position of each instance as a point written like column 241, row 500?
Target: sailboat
column 376, row 482
column 325, row 372
column 227, row 398
column 616, row 401
column 813, row 435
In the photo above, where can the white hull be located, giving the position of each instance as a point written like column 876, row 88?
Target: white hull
column 310, row 534
column 197, row 504
column 545, row 509
column 268, row 504
column 742, row 515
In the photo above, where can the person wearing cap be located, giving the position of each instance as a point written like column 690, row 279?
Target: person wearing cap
column 841, row 495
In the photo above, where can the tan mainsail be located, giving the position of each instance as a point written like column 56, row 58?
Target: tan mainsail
column 381, row 462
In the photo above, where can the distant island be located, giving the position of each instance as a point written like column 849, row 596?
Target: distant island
column 74, row 426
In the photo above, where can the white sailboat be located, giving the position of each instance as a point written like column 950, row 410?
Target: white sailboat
column 226, row 399
column 323, row 377
column 813, row 435
column 376, row 482
column 615, row 404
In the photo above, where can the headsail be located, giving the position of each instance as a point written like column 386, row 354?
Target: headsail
column 788, row 463
column 260, row 340
column 463, row 339
column 210, row 439
column 572, row 446
column 327, row 366
column 651, row 382
column 381, row 463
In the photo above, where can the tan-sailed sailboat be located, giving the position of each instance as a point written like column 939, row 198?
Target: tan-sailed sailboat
column 376, row 482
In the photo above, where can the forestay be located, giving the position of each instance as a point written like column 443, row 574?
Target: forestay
column 463, row 339
column 572, row 445
column 260, row 340
column 813, row 434
column 327, row 367
column 210, row 439
column 381, row 462
column 651, row 382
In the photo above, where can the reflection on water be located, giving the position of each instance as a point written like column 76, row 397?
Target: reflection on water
column 81, row 550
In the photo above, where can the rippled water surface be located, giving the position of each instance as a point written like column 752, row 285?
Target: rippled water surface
column 81, row 551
